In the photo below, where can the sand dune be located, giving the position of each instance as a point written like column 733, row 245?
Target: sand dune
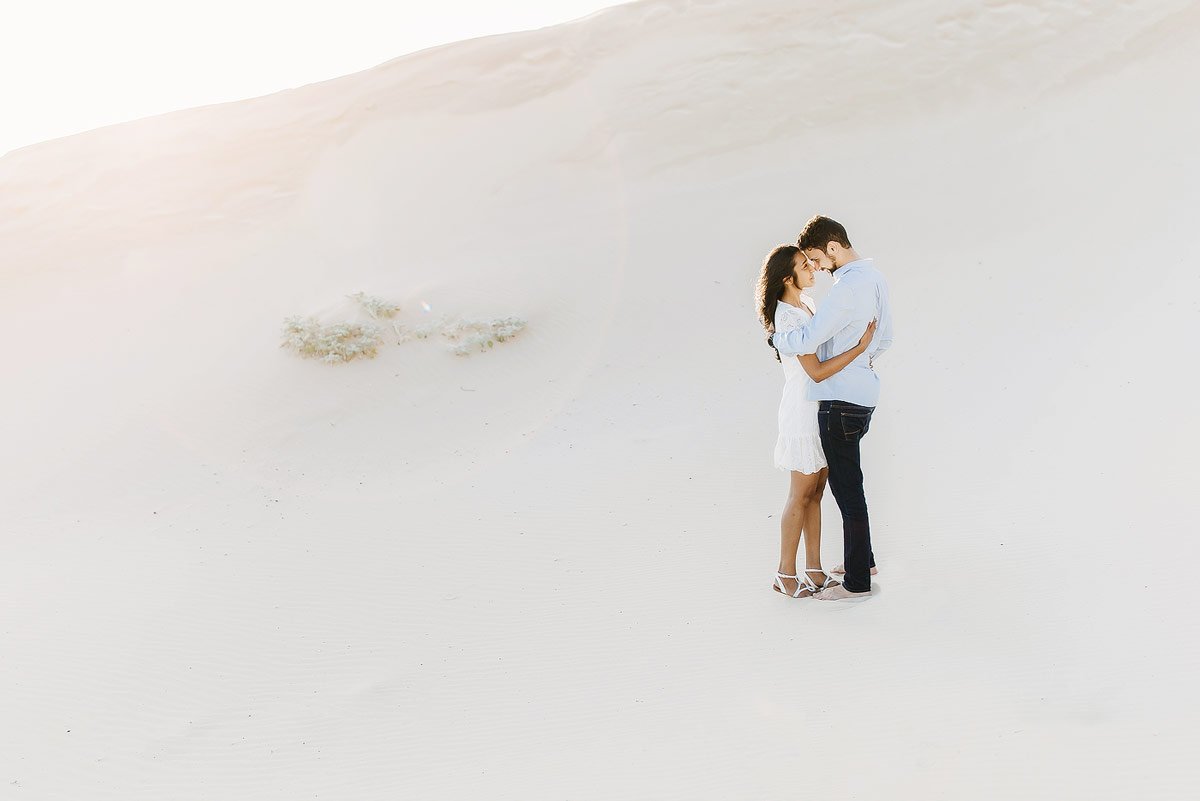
column 542, row 571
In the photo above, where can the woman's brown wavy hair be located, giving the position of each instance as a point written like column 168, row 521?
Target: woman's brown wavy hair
column 780, row 264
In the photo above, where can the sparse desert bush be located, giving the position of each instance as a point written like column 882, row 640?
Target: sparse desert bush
column 340, row 342
column 376, row 307
column 409, row 333
column 343, row 342
column 464, row 336
column 468, row 336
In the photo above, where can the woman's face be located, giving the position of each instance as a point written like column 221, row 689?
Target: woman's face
column 803, row 271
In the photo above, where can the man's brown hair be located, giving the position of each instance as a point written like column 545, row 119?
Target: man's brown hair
column 820, row 231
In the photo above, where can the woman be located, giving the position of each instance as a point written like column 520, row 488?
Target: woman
column 782, row 306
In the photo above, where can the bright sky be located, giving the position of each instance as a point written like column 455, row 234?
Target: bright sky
column 71, row 65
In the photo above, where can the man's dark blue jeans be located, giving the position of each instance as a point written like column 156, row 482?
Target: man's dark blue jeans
column 843, row 425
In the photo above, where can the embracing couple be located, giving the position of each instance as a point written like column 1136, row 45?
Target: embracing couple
column 829, row 393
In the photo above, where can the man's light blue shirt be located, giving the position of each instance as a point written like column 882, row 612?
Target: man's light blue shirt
column 859, row 295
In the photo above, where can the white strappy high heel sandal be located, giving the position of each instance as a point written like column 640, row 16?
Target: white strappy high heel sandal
column 829, row 582
column 802, row 584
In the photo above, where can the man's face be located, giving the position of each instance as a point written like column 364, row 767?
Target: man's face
column 819, row 258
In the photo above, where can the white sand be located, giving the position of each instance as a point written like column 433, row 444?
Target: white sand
column 542, row 572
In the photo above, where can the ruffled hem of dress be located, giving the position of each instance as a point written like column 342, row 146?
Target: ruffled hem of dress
column 800, row 454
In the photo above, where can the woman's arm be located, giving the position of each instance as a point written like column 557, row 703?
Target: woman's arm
column 819, row 370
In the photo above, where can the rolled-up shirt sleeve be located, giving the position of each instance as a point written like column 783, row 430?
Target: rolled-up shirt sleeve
column 835, row 314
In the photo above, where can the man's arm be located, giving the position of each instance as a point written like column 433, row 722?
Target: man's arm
column 835, row 314
column 818, row 370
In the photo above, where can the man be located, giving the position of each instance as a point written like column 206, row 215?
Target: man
column 848, row 398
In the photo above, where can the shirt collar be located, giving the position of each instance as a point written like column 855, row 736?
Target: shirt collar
column 848, row 267
column 851, row 265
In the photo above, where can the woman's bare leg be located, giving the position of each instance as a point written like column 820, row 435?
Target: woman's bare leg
column 791, row 526
column 804, row 488
column 812, row 527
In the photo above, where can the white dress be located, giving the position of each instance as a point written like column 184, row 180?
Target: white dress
column 799, row 445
